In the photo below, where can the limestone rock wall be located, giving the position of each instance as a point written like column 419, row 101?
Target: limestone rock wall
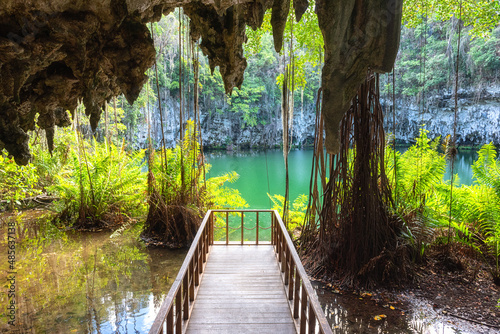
column 478, row 117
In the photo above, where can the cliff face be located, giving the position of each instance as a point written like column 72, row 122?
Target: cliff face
column 226, row 130
column 55, row 53
column 478, row 117
column 478, row 123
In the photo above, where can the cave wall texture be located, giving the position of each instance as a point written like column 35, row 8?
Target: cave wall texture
column 54, row 53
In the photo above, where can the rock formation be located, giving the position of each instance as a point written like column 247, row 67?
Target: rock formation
column 55, row 53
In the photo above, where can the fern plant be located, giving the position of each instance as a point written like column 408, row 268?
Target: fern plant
column 486, row 171
column 101, row 187
column 297, row 213
column 179, row 194
column 415, row 177
column 49, row 165
column 16, row 182
column 420, row 169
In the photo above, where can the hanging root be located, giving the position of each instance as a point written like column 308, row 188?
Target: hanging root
column 357, row 237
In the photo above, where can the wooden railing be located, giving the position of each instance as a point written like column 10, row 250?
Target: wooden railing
column 303, row 300
column 243, row 214
column 176, row 308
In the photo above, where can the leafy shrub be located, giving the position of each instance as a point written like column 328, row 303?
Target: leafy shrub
column 179, row 194
column 101, row 186
column 16, row 182
column 296, row 214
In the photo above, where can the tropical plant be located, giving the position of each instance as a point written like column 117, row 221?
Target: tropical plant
column 101, row 187
column 179, row 193
column 487, row 173
column 482, row 16
column 16, row 182
column 472, row 218
column 419, row 171
column 415, row 178
column 49, row 165
column 296, row 214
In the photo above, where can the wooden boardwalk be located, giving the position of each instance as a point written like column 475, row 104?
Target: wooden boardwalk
column 223, row 287
column 241, row 292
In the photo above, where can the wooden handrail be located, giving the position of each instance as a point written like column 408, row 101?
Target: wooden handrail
column 257, row 227
column 173, row 313
column 311, row 318
column 176, row 308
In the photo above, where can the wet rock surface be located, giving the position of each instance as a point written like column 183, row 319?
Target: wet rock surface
column 50, row 61
column 359, row 36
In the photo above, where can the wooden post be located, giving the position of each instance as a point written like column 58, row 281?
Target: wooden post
column 170, row 320
column 242, row 227
column 200, row 259
column 273, row 232
column 312, row 321
column 203, row 249
column 291, row 279
column 191, row 280
column 196, row 271
column 227, row 228
column 178, row 313
column 205, row 244
column 286, row 265
column 303, row 308
column 297, row 294
column 185, row 297
column 257, row 228
column 212, row 231
column 278, row 247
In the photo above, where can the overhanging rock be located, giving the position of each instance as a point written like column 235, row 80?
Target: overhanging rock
column 359, row 35
column 55, row 53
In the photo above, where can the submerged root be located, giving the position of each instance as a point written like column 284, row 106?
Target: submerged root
column 88, row 220
column 170, row 225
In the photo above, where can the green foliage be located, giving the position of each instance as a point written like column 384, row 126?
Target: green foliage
column 182, row 177
column 246, row 101
column 426, row 62
column 487, row 169
column 420, row 170
column 482, row 15
column 423, row 198
column 297, row 212
column 487, row 173
column 16, row 182
column 48, row 165
column 303, row 39
column 222, row 197
column 484, row 53
column 100, row 185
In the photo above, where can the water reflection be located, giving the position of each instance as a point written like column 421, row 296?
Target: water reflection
column 90, row 283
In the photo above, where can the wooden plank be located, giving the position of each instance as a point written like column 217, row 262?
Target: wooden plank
column 236, row 317
column 245, row 307
column 241, row 329
column 241, row 292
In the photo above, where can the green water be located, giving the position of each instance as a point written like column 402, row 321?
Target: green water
column 264, row 172
column 71, row 282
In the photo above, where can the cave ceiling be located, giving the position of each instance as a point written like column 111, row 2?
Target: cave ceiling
column 55, row 53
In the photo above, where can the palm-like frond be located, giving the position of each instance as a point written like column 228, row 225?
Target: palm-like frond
column 116, row 183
